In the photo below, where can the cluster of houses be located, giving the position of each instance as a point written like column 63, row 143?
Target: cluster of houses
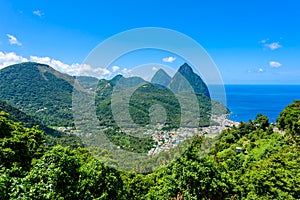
column 165, row 140
column 168, row 139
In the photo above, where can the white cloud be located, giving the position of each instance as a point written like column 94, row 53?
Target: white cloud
column 38, row 13
column 275, row 64
column 115, row 68
column 13, row 40
column 260, row 70
column 273, row 46
column 56, row 64
column 45, row 60
column 73, row 69
column 125, row 70
column 263, row 41
column 10, row 58
column 101, row 71
column 87, row 70
column 169, row 59
column 154, row 69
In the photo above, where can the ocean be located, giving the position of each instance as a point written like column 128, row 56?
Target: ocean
column 246, row 101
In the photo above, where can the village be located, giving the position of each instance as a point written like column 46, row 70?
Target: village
column 165, row 140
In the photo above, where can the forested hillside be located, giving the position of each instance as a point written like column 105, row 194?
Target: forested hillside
column 52, row 137
column 28, row 121
column 181, row 101
column 46, row 94
column 251, row 161
column 39, row 91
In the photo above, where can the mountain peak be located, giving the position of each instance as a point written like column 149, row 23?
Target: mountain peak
column 32, row 64
column 115, row 79
column 161, row 78
column 160, row 70
column 185, row 69
column 38, row 89
column 185, row 79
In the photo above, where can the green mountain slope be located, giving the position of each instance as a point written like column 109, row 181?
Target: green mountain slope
column 141, row 99
column 46, row 95
column 132, row 103
column 87, row 82
column 144, row 95
column 248, row 161
column 52, row 137
column 40, row 91
column 27, row 121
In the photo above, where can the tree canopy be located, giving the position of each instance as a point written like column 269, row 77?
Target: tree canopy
column 249, row 161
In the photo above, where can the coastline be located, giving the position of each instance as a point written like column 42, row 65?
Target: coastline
column 223, row 122
column 165, row 140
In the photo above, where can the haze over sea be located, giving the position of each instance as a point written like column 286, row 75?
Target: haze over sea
column 246, row 101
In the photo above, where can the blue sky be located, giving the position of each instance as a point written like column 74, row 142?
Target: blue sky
column 254, row 42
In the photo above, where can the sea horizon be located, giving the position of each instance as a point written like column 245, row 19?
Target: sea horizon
column 245, row 101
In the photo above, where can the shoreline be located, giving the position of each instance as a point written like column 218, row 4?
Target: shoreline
column 223, row 122
column 165, row 140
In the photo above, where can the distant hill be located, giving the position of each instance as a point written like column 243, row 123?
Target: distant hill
column 87, row 82
column 161, row 78
column 40, row 91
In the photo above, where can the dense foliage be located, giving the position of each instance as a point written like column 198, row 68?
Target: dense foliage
column 28, row 121
column 289, row 120
column 39, row 91
column 29, row 172
column 52, row 137
column 250, row 161
column 267, row 166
